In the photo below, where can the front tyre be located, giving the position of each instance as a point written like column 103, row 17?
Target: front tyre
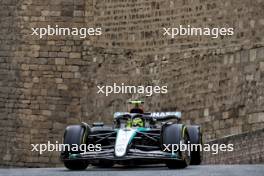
column 177, row 134
column 104, row 164
column 76, row 164
column 74, row 135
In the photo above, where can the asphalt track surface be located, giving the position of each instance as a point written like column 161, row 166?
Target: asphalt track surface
column 202, row 170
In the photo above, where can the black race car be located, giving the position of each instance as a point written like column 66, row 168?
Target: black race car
column 135, row 138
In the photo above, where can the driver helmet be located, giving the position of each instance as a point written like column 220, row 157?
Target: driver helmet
column 137, row 122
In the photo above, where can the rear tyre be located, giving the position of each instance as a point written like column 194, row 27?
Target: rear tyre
column 74, row 135
column 195, row 138
column 176, row 134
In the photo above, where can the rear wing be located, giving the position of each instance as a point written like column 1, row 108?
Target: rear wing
column 151, row 115
column 166, row 115
column 118, row 114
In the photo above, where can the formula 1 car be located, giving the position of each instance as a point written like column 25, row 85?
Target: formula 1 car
column 135, row 138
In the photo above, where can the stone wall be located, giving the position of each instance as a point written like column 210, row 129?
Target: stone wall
column 249, row 149
column 222, row 91
column 46, row 84
column 217, row 83
column 49, row 83
column 139, row 24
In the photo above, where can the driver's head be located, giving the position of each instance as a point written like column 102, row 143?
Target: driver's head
column 137, row 122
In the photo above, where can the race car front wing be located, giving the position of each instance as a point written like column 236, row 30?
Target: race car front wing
column 131, row 154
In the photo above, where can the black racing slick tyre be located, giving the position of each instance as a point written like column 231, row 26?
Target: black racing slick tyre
column 74, row 135
column 195, row 138
column 104, row 164
column 76, row 164
column 176, row 134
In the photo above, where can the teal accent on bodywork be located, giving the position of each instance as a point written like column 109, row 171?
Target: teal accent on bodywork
column 140, row 129
column 174, row 155
column 74, row 156
column 132, row 137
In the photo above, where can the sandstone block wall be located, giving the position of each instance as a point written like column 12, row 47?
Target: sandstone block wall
column 216, row 82
column 138, row 24
column 248, row 149
column 46, row 84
